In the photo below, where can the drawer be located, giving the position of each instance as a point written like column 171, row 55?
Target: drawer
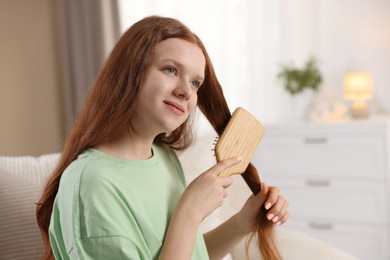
column 346, row 202
column 364, row 242
column 335, row 155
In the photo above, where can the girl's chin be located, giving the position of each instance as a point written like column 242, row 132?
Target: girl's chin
column 170, row 126
column 169, row 129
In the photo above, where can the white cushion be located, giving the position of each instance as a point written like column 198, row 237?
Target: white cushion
column 21, row 182
column 294, row 245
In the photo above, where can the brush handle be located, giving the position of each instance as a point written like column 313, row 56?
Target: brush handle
column 252, row 179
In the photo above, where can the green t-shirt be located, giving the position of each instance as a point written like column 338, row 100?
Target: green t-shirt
column 111, row 208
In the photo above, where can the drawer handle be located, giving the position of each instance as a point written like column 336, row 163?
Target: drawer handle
column 315, row 140
column 321, row 226
column 318, row 183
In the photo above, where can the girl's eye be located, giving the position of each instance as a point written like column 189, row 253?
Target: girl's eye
column 171, row 70
column 196, row 84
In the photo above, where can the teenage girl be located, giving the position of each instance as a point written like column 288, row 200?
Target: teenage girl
column 119, row 191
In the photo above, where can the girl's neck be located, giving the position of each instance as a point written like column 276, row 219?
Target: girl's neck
column 128, row 147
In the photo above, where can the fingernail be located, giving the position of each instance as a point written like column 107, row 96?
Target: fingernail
column 270, row 216
column 275, row 219
column 268, row 205
column 278, row 223
column 239, row 158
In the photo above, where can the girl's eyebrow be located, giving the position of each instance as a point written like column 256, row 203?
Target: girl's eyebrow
column 181, row 66
column 175, row 62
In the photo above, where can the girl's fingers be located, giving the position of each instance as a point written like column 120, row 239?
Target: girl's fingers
column 226, row 181
column 222, row 165
column 273, row 195
column 283, row 211
column 264, row 187
column 278, row 212
column 225, row 193
column 276, row 205
column 283, row 219
column 260, row 198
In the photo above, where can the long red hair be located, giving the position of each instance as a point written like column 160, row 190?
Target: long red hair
column 112, row 101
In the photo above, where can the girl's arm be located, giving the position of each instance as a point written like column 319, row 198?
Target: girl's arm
column 223, row 239
column 200, row 199
column 181, row 236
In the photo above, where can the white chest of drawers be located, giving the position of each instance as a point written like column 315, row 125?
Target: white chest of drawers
column 337, row 180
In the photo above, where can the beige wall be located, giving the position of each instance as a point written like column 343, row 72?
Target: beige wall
column 30, row 109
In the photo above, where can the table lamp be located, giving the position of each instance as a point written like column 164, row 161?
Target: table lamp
column 358, row 87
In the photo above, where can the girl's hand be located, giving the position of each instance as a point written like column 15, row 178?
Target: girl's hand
column 207, row 191
column 268, row 197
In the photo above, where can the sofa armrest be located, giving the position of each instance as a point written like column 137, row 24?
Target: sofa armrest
column 21, row 182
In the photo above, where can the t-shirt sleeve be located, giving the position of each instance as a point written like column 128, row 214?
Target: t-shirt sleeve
column 104, row 248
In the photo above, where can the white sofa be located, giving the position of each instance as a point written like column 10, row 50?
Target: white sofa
column 21, row 182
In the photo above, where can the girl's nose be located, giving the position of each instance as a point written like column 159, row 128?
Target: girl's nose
column 183, row 89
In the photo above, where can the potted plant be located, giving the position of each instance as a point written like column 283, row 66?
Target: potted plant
column 296, row 80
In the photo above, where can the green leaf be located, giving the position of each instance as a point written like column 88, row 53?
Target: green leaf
column 295, row 80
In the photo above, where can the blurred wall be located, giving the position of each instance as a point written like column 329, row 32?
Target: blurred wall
column 249, row 40
column 30, row 108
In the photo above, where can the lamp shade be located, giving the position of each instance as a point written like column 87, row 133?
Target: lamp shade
column 358, row 86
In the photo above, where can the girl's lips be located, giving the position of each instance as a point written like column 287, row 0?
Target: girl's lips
column 175, row 107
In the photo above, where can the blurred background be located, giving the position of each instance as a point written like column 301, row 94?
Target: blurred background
column 51, row 51
column 315, row 73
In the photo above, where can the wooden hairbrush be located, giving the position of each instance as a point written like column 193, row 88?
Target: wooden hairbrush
column 240, row 137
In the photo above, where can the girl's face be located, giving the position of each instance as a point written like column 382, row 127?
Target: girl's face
column 170, row 90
